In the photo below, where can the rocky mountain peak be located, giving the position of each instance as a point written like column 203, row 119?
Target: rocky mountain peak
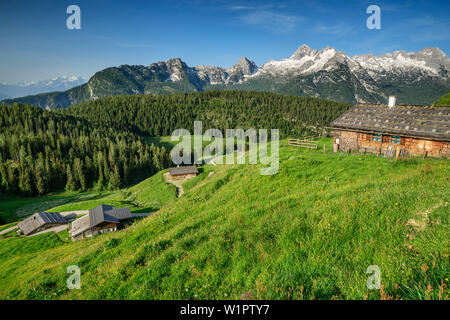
column 175, row 62
column 303, row 50
column 432, row 52
column 244, row 67
column 326, row 73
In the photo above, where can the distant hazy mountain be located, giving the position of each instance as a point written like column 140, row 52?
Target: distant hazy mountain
column 415, row 77
column 24, row 88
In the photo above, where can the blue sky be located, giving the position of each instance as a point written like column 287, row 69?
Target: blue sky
column 36, row 45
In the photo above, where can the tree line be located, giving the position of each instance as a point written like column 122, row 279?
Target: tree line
column 43, row 151
column 160, row 115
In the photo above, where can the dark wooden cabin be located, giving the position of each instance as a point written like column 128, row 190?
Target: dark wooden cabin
column 182, row 172
column 40, row 221
column 101, row 219
column 394, row 129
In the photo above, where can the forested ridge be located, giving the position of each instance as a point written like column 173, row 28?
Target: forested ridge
column 43, row 151
column 99, row 144
column 160, row 115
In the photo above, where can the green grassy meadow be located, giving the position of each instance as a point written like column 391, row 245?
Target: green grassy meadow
column 308, row 232
column 443, row 101
column 147, row 196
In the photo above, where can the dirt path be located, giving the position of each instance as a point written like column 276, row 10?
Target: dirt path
column 421, row 222
column 178, row 183
column 73, row 214
column 8, row 230
column 77, row 212
column 54, row 229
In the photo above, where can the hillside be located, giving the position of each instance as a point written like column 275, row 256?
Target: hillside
column 308, row 232
column 160, row 115
column 107, row 143
column 42, row 151
column 416, row 78
column 146, row 196
column 443, row 101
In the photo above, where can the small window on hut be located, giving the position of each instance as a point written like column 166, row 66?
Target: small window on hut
column 395, row 139
column 376, row 137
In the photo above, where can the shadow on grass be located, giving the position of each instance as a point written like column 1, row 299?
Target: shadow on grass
column 146, row 210
column 159, row 142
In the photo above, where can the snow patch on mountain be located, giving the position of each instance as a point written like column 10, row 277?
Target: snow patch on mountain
column 429, row 61
column 393, row 62
column 24, row 88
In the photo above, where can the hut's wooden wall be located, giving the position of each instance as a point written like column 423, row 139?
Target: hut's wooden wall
column 349, row 140
column 180, row 176
column 433, row 148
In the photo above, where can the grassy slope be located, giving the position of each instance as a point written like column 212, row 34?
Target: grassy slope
column 310, row 231
column 443, row 101
column 146, row 196
column 15, row 207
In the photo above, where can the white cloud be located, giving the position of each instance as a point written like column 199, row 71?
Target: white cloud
column 238, row 8
column 340, row 29
column 258, row 7
column 275, row 22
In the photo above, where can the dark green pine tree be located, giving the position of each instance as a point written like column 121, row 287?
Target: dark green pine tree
column 115, row 179
column 70, row 184
column 41, row 185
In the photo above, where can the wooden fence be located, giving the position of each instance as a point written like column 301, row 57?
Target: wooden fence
column 306, row 142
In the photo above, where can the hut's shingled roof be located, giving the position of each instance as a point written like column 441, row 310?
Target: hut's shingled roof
column 40, row 219
column 183, row 170
column 98, row 215
column 101, row 214
column 121, row 213
column 414, row 121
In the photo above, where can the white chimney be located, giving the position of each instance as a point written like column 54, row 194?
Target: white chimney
column 391, row 101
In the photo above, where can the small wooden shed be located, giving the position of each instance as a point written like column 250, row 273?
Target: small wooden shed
column 41, row 221
column 182, row 172
column 394, row 129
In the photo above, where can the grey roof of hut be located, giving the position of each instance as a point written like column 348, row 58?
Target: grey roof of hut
column 101, row 214
column 183, row 170
column 98, row 215
column 121, row 213
column 40, row 219
column 412, row 121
